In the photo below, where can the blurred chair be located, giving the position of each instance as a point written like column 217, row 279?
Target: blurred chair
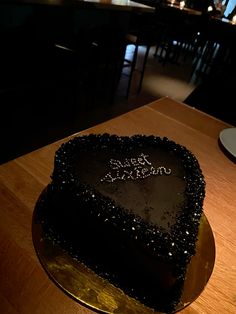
column 143, row 33
column 213, row 53
column 137, row 42
column 179, row 34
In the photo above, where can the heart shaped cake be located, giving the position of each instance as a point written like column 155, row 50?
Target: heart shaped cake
column 129, row 208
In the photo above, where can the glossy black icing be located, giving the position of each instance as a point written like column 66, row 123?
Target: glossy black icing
column 144, row 226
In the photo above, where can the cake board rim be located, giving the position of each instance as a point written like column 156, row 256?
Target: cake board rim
column 98, row 294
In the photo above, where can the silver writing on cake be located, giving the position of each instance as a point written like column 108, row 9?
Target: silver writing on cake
column 133, row 169
column 140, row 161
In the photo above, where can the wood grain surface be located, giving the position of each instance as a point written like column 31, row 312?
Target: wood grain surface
column 24, row 285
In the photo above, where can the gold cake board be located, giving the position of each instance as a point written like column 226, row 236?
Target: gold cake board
column 93, row 291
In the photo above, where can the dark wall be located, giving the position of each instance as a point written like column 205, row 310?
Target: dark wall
column 55, row 63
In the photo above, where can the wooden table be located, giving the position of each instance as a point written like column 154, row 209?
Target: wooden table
column 185, row 9
column 25, row 287
column 121, row 5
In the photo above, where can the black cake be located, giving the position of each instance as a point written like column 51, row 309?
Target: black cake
column 129, row 208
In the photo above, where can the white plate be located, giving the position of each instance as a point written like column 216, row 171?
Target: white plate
column 228, row 140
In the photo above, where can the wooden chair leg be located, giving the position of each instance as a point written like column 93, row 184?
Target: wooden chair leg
column 143, row 68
